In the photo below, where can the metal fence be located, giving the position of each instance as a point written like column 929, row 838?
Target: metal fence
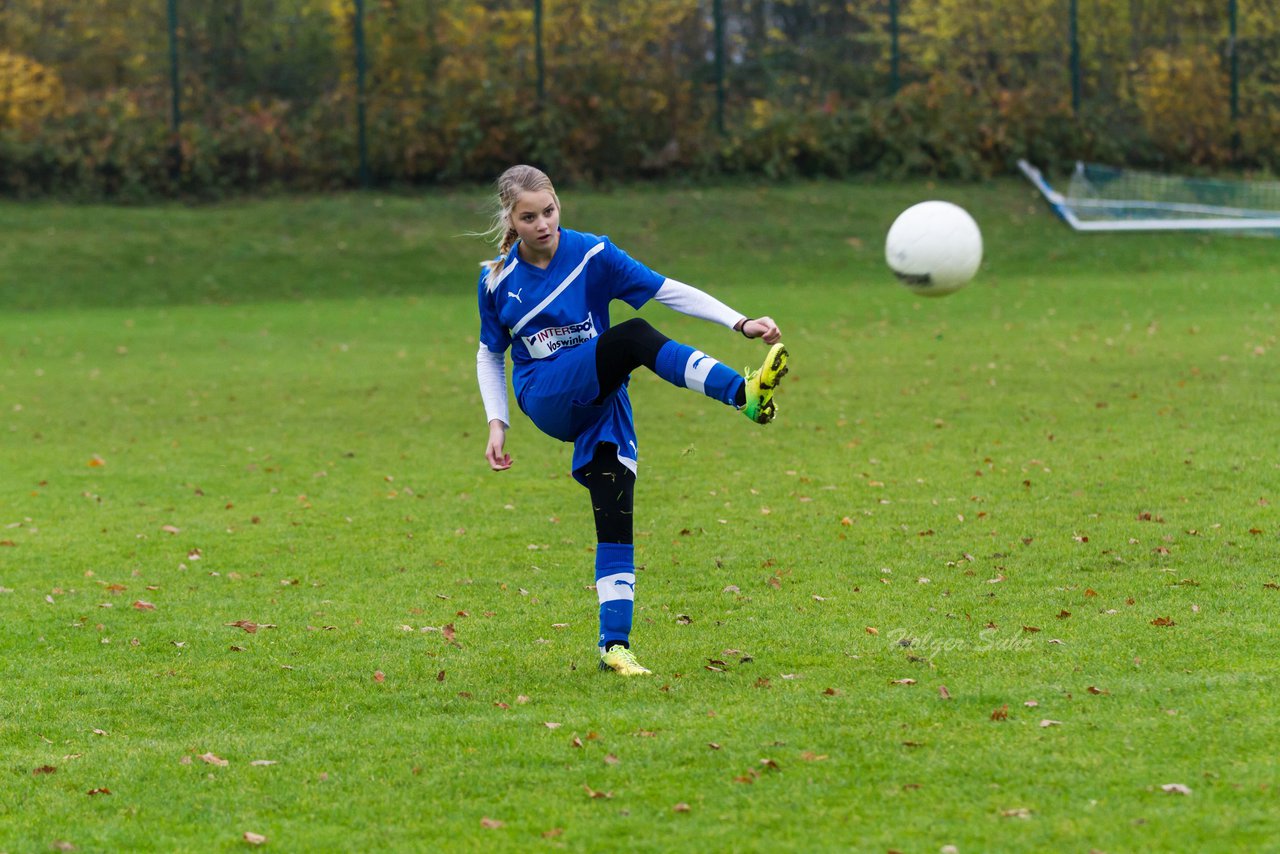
column 372, row 74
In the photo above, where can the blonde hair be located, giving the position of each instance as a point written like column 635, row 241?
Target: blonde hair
column 511, row 184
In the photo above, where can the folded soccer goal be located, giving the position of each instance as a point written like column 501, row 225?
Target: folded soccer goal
column 1102, row 198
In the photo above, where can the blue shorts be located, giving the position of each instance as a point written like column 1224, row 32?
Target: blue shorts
column 558, row 399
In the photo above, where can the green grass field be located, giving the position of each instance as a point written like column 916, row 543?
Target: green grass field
column 1003, row 570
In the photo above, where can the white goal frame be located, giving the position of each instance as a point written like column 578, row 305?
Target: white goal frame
column 1188, row 217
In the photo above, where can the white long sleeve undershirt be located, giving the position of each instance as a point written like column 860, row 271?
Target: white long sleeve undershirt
column 491, row 371
column 687, row 299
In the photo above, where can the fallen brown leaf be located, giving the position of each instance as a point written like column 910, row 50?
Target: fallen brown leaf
column 254, row 838
column 681, row 807
column 1001, row 714
column 211, row 759
column 491, row 823
column 943, row 692
column 592, row 793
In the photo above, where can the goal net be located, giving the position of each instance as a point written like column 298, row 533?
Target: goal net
column 1102, row 198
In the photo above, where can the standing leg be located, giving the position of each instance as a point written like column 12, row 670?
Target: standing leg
column 612, row 488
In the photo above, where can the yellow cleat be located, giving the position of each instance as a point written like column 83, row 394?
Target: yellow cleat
column 760, row 407
column 623, row 662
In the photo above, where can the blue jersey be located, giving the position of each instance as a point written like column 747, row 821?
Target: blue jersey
column 550, row 319
column 539, row 313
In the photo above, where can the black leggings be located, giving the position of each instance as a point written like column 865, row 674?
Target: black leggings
column 622, row 349
column 613, row 494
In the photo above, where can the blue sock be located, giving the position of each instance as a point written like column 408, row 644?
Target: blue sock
column 616, row 587
column 683, row 366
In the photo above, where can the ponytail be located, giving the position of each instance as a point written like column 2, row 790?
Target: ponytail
column 494, row 267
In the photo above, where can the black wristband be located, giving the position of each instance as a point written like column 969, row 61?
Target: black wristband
column 742, row 327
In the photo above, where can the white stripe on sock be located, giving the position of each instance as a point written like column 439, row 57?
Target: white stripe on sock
column 697, row 369
column 619, row 586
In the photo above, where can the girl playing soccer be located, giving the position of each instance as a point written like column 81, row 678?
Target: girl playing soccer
column 546, row 297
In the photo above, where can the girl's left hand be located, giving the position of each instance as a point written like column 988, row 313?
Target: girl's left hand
column 762, row 327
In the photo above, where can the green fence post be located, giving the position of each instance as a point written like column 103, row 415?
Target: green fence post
column 1075, row 57
column 175, row 103
column 895, row 77
column 539, row 60
column 1233, row 48
column 717, row 12
column 361, row 140
column 1235, row 62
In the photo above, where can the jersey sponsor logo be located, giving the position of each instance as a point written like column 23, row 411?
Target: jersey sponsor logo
column 554, row 338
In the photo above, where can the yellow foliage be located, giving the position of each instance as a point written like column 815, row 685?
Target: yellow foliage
column 28, row 90
column 1183, row 100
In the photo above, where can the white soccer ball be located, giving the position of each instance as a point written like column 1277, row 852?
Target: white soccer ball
column 934, row 248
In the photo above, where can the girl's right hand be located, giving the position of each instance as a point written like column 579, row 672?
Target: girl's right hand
column 762, row 327
column 493, row 452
